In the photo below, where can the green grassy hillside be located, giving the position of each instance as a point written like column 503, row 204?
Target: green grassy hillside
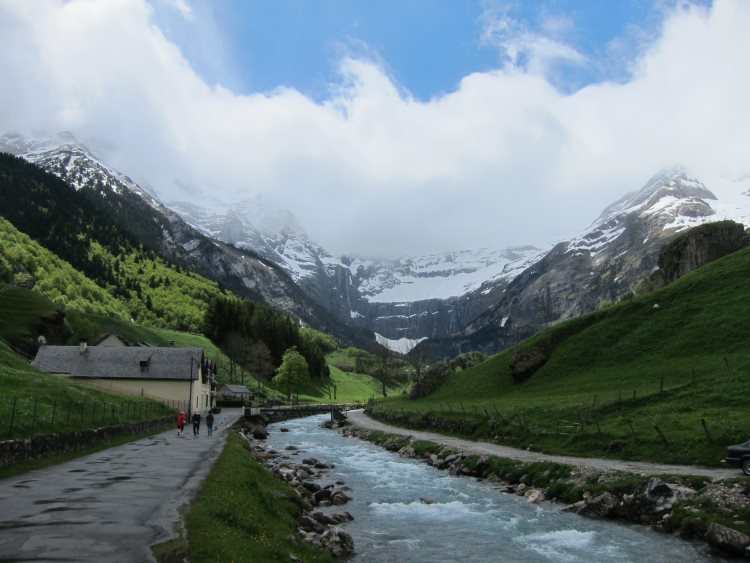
column 34, row 403
column 134, row 284
column 660, row 363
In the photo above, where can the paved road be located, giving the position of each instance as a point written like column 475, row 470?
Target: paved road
column 110, row 506
column 483, row 448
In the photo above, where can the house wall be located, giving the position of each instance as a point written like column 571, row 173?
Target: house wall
column 163, row 390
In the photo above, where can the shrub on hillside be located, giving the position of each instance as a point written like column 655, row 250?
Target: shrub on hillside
column 430, row 380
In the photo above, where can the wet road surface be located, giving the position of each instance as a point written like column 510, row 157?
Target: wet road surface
column 108, row 506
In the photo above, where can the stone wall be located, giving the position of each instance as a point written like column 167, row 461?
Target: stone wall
column 26, row 449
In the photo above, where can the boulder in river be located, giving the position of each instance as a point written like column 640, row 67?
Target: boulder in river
column 337, row 542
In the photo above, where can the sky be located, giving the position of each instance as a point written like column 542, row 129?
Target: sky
column 396, row 127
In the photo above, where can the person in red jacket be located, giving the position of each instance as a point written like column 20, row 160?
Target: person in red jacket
column 181, row 418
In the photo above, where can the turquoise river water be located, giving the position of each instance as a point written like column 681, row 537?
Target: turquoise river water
column 470, row 520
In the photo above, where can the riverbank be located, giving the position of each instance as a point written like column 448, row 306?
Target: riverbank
column 693, row 506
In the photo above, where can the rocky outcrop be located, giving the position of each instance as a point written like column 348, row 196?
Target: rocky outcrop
column 698, row 247
column 728, row 540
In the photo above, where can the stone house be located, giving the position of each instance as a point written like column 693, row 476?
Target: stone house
column 181, row 376
column 229, row 391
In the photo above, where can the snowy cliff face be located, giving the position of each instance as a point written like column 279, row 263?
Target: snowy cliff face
column 410, row 297
column 602, row 264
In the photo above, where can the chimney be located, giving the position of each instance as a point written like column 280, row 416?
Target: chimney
column 82, row 347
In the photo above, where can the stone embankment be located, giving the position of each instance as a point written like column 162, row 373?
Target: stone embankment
column 319, row 523
column 673, row 504
column 37, row 447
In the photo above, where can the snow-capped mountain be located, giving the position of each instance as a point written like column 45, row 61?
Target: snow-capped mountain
column 140, row 213
column 275, row 234
column 602, row 264
column 483, row 299
column 256, row 225
column 66, row 158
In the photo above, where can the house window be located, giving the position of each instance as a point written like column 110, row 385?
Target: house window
column 144, row 365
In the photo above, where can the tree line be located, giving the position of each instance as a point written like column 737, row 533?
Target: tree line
column 256, row 337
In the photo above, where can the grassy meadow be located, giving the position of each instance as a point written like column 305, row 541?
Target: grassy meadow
column 637, row 380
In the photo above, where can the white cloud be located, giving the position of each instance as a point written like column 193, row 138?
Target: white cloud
column 183, row 8
column 504, row 159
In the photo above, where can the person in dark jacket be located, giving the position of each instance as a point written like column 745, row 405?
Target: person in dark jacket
column 196, row 423
column 210, row 423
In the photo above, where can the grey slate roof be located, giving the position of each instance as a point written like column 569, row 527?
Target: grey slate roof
column 120, row 362
column 236, row 389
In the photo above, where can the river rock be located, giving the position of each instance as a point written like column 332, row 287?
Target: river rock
column 326, row 519
column 284, row 429
column 727, row 539
column 339, row 498
column 310, row 524
column 291, row 448
column 337, row 542
column 309, row 461
column 260, row 433
column 600, row 506
column 651, row 501
column 407, row 451
column 342, row 517
column 321, row 465
column 535, row 496
column 311, row 487
column 321, row 495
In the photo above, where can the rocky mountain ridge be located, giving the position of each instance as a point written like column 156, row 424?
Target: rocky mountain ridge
column 159, row 228
column 474, row 299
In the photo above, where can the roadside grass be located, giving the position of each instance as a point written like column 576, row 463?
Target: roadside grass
column 34, row 403
column 634, row 381
column 242, row 513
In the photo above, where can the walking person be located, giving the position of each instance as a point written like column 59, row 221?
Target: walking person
column 210, row 423
column 181, row 418
column 196, row 423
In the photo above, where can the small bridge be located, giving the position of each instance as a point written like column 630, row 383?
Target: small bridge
column 285, row 412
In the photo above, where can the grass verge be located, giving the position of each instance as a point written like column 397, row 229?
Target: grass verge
column 242, row 513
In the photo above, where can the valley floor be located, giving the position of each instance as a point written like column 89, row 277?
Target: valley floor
column 358, row 418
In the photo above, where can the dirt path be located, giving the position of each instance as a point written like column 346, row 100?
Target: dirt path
column 358, row 418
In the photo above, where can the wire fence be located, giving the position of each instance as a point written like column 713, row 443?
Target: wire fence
column 29, row 416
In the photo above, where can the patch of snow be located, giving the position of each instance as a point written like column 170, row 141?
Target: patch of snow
column 401, row 346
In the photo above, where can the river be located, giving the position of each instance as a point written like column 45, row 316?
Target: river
column 467, row 520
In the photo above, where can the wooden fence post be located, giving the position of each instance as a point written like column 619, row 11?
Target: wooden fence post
column 12, row 416
column 663, row 438
column 705, row 429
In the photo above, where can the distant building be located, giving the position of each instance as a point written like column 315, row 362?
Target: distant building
column 229, row 391
column 182, row 376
